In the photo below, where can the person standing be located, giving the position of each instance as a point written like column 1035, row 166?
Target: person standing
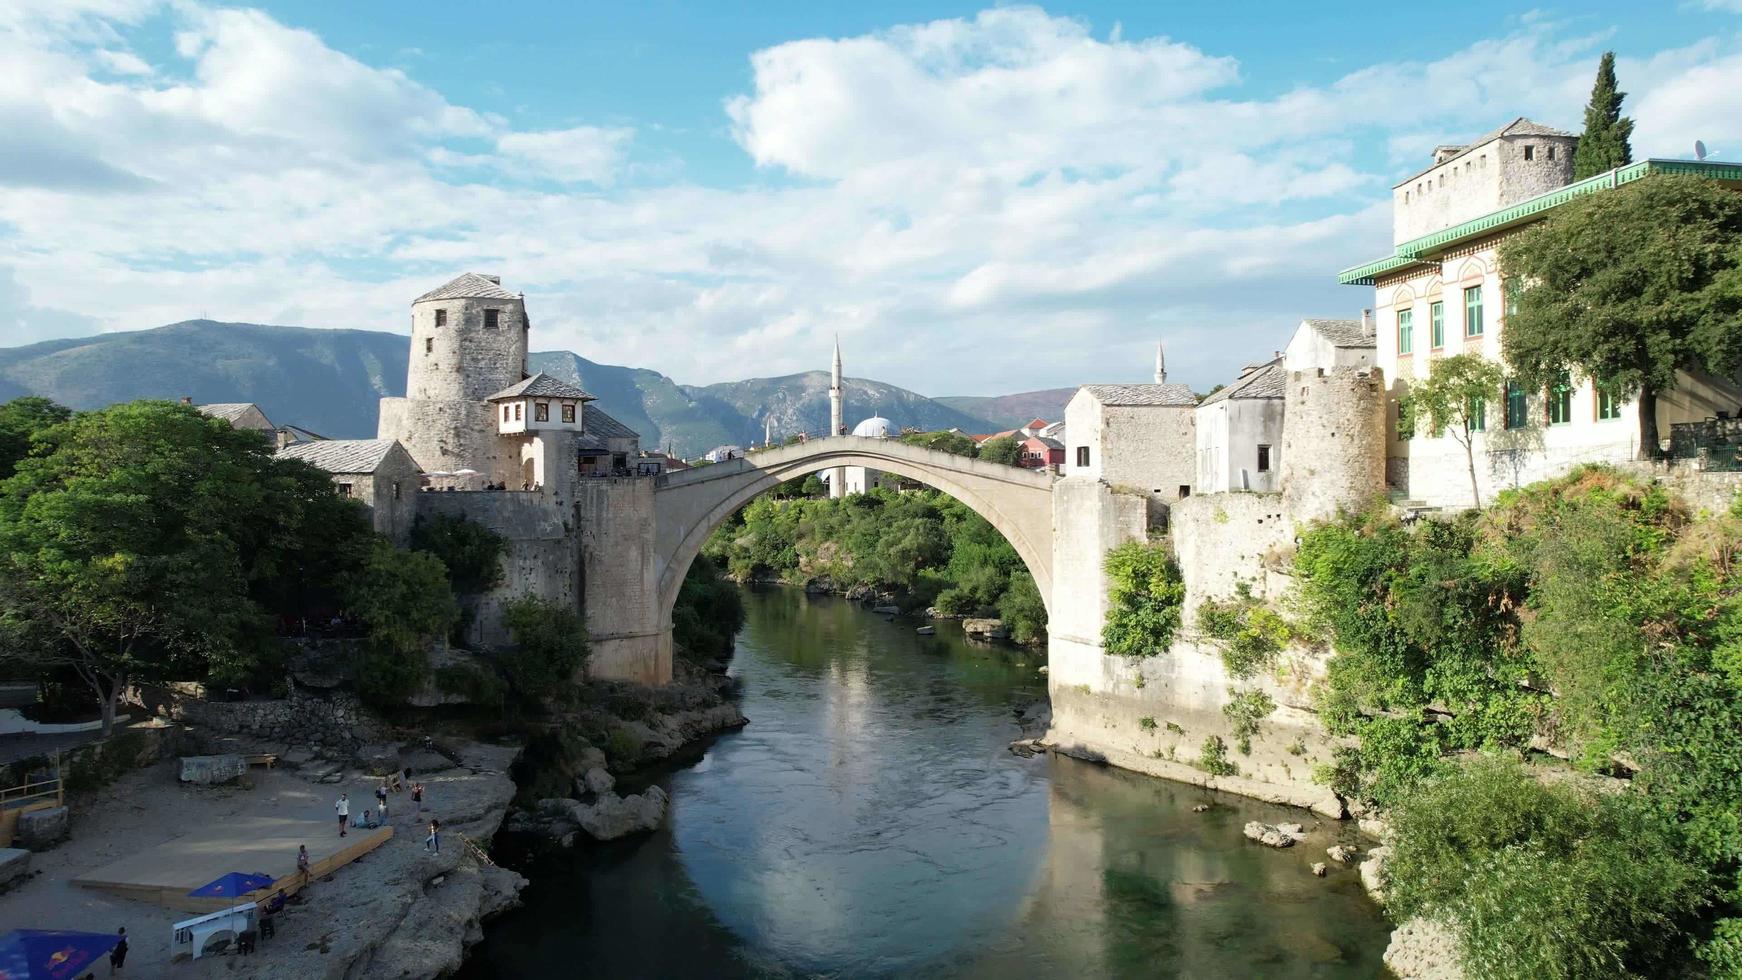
column 417, row 794
column 343, row 808
column 434, row 841
column 381, row 792
column 118, row 955
column 302, row 861
column 383, row 809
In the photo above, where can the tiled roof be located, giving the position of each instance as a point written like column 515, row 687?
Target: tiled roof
column 1265, row 381
column 1036, row 424
column 342, row 455
column 469, row 285
column 540, row 385
column 228, row 411
column 1152, row 394
column 1346, row 333
column 1517, row 127
column 596, row 422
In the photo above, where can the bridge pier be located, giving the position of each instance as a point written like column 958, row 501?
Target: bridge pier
column 627, row 628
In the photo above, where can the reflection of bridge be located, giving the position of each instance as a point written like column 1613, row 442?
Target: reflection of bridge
column 688, row 505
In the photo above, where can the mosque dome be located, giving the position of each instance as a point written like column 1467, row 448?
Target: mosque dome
column 876, row 427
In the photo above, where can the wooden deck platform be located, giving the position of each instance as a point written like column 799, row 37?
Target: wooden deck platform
column 164, row 874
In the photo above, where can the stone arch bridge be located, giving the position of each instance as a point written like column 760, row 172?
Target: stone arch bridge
column 638, row 537
column 690, row 504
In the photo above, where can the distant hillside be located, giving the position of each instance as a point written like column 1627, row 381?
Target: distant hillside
column 1010, row 411
column 800, row 403
column 329, row 381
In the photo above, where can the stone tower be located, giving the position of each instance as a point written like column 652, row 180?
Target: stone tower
column 1333, row 441
column 468, row 341
column 837, row 421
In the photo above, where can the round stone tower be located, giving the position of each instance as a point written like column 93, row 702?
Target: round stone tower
column 1333, row 441
column 468, row 342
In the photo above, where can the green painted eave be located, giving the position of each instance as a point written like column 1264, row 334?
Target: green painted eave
column 1420, row 250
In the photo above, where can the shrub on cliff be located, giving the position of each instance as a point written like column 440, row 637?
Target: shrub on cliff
column 550, row 645
column 1144, row 596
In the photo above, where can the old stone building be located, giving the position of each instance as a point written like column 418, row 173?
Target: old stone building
column 377, row 473
column 1441, row 292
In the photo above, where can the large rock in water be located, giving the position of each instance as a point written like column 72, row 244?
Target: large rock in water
column 1280, row 835
column 618, row 816
column 1422, row 949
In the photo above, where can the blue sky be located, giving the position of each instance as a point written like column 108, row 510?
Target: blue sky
column 977, row 198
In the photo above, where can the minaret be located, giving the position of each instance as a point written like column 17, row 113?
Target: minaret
column 767, row 431
column 1160, row 365
column 837, row 421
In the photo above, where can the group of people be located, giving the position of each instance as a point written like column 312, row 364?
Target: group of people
column 376, row 817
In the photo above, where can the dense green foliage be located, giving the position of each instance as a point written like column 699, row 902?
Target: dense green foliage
column 404, row 601
column 944, row 441
column 1244, row 711
column 1454, row 399
column 20, row 420
column 1628, row 287
column 148, row 542
column 922, row 544
column 1592, row 613
column 1607, row 141
column 708, row 613
column 1543, row 880
column 1213, row 757
column 471, row 551
column 1001, row 450
column 1144, row 596
column 550, row 645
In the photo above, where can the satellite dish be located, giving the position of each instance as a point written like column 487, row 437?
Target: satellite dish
column 1699, row 149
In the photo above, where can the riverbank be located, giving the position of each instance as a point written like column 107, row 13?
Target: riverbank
column 399, row 911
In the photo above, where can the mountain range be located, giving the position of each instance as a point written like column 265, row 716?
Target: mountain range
column 328, row 381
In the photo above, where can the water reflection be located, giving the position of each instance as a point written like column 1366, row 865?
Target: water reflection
column 870, row 822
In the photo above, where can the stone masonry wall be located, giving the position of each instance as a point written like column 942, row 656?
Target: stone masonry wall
column 451, row 435
column 541, row 558
column 330, row 720
column 630, row 633
column 463, row 360
column 1224, row 539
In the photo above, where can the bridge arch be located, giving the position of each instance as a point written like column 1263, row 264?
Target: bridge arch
column 690, row 504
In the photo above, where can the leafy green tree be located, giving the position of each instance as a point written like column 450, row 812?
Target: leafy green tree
column 146, row 542
column 943, row 441
column 1629, row 287
column 1144, row 595
column 550, row 645
column 708, row 613
column 405, row 601
column 471, row 552
column 20, row 420
column 1606, row 142
column 1454, row 399
column 1022, row 609
column 1001, row 450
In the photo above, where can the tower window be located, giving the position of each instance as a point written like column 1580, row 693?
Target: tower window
column 516, row 411
column 344, row 489
column 1264, row 459
column 429, row 345
column 541, row 411
column 1551, row 152
column 1529, row 152
column 568, row 411
column 1082, row 455
column 395, row 489
column 492, row 319
column 504, row 413
column 441, row 318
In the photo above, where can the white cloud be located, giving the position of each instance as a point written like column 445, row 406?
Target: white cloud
column 989, row 203
column 584, row 154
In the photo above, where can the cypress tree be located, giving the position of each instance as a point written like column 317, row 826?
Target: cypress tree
column 1605, row 144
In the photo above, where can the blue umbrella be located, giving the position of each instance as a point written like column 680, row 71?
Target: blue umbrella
column 48, row 954
column 233, row 885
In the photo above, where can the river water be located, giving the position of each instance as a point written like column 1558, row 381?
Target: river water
column 870, row 821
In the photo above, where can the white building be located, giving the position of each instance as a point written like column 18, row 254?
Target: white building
column 1239, row 432
column 858, row 479
column 1323, row 345
column 1441, row 292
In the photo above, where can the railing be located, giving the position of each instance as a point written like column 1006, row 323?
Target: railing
column 19, row 795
